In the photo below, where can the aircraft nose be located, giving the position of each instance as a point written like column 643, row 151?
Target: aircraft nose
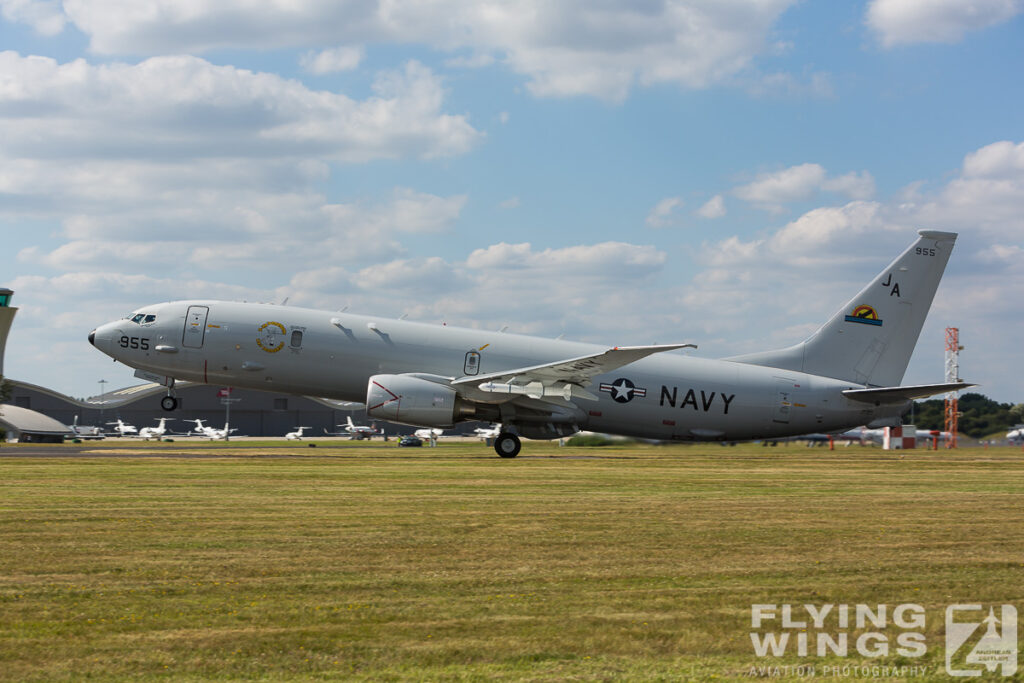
column 100, row 337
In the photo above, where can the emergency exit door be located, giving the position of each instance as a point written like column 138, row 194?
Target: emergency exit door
column 195, row 327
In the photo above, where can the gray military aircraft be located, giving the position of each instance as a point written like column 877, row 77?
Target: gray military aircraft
column 844, row 375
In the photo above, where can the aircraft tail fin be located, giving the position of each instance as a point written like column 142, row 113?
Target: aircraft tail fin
column 350, row 423
column 870, row 339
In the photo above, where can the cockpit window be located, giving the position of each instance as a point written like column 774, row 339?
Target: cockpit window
column 143, row 318
column 137, row 318
column 149, row 318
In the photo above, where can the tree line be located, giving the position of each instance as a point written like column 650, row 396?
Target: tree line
column 980, row 416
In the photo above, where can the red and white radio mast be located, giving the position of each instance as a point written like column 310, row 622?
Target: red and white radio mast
column 953, row 350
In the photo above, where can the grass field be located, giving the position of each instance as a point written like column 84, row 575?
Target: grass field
column 374, row 563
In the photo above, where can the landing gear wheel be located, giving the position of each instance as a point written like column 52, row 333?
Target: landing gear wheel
column 507, row 445
column 169, row 403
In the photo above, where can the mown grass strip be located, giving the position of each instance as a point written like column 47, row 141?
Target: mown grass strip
column 378, row 563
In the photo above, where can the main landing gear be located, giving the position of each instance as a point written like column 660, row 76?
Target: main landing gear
column 507, row 445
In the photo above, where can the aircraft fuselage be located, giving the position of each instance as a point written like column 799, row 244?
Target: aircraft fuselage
column 333, row 355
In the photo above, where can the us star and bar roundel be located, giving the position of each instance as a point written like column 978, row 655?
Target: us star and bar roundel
column 623, row 390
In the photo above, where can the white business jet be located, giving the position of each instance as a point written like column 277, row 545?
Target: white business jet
column 123, row 428
column 157, row 432
column 296, row 435
column 212, row 433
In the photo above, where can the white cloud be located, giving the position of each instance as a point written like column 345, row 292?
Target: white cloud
column 566, row 48
column 228, row 229
column 661, row 215
column 985, row 197
column 46, row 17
column 344, row 58
column 613, row 278
column 608, row 260
column 712, row 208
column 426, row 276
column 1003, row 254
column 420, row 212
column 510, row 203
column 331, row 279
column 224, row 159
column 770, row 191
column 1000, row 159
column 185, row 107
column 788, row 185
column 818, row 229
column 853, row 185
column 900, row 22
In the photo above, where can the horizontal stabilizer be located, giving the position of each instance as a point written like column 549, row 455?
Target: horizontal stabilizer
column 908, row 393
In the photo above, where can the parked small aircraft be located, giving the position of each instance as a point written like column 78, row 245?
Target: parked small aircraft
column 488, row 432
column 296, row 435
column 354, row 431
column 122, row 428
column 212, row 433
column 1016, row 435
column 848, row 373
column 86, row 432
column 361, row 431
column 157, row 432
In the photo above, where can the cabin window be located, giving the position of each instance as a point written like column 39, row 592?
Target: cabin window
column 296, row 339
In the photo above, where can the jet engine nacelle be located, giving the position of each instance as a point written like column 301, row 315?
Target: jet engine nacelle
column 411, row 400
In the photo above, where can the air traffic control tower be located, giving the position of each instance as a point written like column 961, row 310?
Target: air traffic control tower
column 6, row 318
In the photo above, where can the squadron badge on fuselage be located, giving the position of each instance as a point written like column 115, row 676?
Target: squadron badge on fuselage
column 269, row 336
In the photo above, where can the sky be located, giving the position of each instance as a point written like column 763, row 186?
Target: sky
column 721, row 172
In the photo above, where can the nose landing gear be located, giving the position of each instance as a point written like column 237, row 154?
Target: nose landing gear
column 170, row 401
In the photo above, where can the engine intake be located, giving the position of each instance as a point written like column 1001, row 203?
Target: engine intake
column 411, row 400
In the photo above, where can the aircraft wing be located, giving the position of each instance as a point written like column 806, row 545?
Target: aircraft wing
column 564, row 378
column 897, row 394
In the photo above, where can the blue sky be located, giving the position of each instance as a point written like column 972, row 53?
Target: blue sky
column 725, row 173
